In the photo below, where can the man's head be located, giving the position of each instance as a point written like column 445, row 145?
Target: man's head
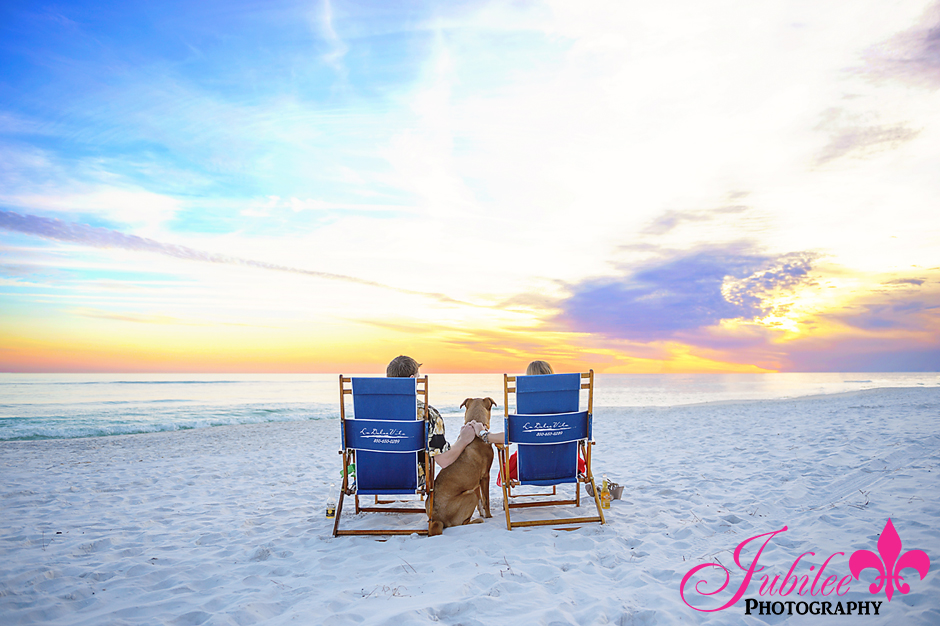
column 402, row 367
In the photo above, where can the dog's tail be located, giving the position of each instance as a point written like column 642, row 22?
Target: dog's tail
column 436, row 528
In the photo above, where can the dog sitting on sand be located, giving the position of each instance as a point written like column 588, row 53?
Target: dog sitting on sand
column 464, row 485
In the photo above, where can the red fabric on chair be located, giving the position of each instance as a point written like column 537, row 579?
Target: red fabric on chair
column 513, row 470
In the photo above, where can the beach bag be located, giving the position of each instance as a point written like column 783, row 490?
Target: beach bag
column 616, row 491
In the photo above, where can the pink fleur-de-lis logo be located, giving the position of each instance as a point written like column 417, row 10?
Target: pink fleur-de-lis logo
column 889, row 565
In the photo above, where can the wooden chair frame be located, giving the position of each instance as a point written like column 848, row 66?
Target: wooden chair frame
column 584, row 448
column 349, row 456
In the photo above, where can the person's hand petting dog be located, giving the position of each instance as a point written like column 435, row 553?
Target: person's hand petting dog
column 491, row 436
column 468, row 433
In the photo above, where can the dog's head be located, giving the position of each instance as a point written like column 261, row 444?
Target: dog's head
column 478, row 409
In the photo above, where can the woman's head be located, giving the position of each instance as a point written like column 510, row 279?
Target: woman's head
column 538, row 367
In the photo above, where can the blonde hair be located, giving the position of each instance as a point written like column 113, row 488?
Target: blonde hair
column 538, row 367
column 402, row 367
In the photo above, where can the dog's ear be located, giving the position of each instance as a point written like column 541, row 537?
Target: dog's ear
column 465, row 402
column 492, row 402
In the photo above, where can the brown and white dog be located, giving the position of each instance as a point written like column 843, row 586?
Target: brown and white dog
column 464, row 485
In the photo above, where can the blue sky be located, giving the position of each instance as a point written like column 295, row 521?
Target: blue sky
column 677, row 187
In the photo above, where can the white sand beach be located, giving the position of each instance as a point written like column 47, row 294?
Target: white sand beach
column 226, row 525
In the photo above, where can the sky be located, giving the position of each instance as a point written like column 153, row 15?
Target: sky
column 633, row 187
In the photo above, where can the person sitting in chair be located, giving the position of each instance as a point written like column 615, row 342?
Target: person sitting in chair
column 442, row 452
column 535, row 368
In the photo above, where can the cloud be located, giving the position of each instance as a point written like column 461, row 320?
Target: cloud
column 19, row 269
column 153, row 319
column 684, row 293
column 872, row 355
column 864, row 141
column 849, row 136
column 130, row 206
column 907, row 281
column 338, row 49
column 671, row 219
column 913, row 55
column 460, row 348
column 95, row 237
column 267, row 206
column 17, row 124
column 898, row 314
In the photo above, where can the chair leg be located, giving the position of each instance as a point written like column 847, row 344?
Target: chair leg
column 339, row 512
column 597, row 499
column 505, row 466
column 342, row 493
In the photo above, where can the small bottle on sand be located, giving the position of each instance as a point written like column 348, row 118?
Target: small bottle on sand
column 331, row 502
column 605, row 494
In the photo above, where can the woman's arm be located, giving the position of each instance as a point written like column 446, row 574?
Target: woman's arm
column 491, row 437
column 467, row 434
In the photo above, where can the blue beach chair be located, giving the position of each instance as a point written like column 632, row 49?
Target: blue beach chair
column 385, row 437
column 550, row 431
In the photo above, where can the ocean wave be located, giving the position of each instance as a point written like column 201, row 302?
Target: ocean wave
column 102, row 420
column 86, row 405
column 36, row 432
column 132, row 382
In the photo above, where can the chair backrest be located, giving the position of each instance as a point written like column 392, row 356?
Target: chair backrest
column 547, row 425
column 386, row 432
column 548, row 393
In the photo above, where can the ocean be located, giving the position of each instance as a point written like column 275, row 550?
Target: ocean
column 65, row 406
